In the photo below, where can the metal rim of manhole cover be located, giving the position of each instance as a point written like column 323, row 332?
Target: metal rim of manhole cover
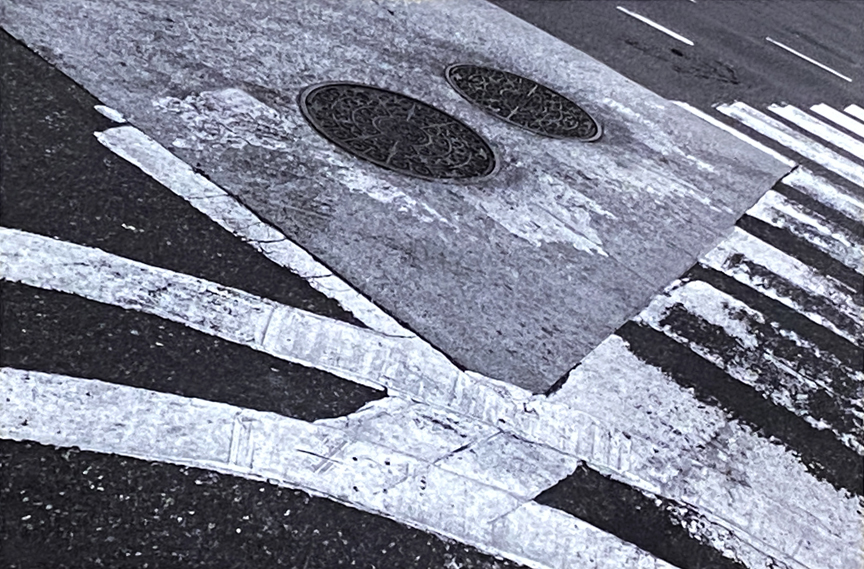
column 397, row 132
column 523, row 102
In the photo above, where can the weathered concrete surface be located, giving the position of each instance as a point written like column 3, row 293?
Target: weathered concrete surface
column 518, row 276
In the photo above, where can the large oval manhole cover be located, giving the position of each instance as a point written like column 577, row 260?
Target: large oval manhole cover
column 397, row 132
column 523, row 102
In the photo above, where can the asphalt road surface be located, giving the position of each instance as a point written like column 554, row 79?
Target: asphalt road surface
column 183, row 385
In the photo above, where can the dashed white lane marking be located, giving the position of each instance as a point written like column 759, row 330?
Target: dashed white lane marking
column 428, row 494
column 808, row 59
column 795, row 141
column 819, row 128
column 211, row 200
column 855, row 111
column 737, row 134
column 836, row 116
column 655, row 25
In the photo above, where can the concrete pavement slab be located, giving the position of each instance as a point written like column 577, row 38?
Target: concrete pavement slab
column 517, row 275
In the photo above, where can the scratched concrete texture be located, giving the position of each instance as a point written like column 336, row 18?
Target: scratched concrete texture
column 517, row 276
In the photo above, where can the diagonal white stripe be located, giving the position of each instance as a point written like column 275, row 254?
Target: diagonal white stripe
column 820, row 129
column 825, row 192
column 843, row 120
column 655, row 25
column 326, row 461
column 794, row 141
column 855, row 111
column 808, row 59
column 211, row 200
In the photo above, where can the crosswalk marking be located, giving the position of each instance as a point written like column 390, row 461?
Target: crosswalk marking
column 837, row 242
column 796, row 142
column 211, row 200
column 845, row 121
column 320, row 458
column 819, row 128
column 737, row 134
column 855, row 111
column 653, row 451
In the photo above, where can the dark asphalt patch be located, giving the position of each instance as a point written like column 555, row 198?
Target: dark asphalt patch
column 65, row 508
column 649, row 522
column 56, row 179
column 819, row 450
column 60, row 333
column 800, row 249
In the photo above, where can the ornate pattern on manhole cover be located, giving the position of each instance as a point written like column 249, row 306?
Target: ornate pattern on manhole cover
column 523, row 102
column 397, row 132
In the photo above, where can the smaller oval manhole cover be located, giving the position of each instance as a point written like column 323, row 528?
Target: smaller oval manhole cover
column 523, row 102
column 397, row 132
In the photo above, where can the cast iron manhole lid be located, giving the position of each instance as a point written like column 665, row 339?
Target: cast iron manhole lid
column 397, row 132
column 523, row 102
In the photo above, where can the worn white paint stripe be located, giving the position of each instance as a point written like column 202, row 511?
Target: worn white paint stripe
column 325, row 461
column 808, row 59
column 837, row 242
column 740, row 243
column 820, row 129
column 737, row 134
column 855, row 111
column 655, row 25
column 836, row 116
column 110, row 113
column 794, row 141
column 211, row 200
column 792, row 387
column 825, row 192
column 356, row 354
column 755, row 489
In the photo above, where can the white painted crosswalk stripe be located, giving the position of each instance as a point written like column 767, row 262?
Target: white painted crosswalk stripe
column 855, row 111
column 836, row 116
column 825, row 192
column 736, row 133
column 741, row 245
column 795, row 141
column 211, row 200
column 822, row 130
column 835, row 241
column 325, row 460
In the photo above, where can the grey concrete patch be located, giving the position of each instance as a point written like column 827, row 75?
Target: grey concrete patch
column 517, row 276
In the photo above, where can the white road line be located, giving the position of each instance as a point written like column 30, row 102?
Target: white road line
column 741, row 243
column 737, row 134
column 773, row 503
column 838, row 242
column 655, row 25
column 795, row 141
column 820, row 129
column 751, row 359
column 110, row 113
column 855, row 111
column 808, row 59
column 369, row 357
column 843, row 120
column 355, row 354
column 107, row 418
column 211, row 200
column 825, row 192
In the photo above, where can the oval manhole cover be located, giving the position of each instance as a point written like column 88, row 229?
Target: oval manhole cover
column 523, row 102
column 397, row 132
